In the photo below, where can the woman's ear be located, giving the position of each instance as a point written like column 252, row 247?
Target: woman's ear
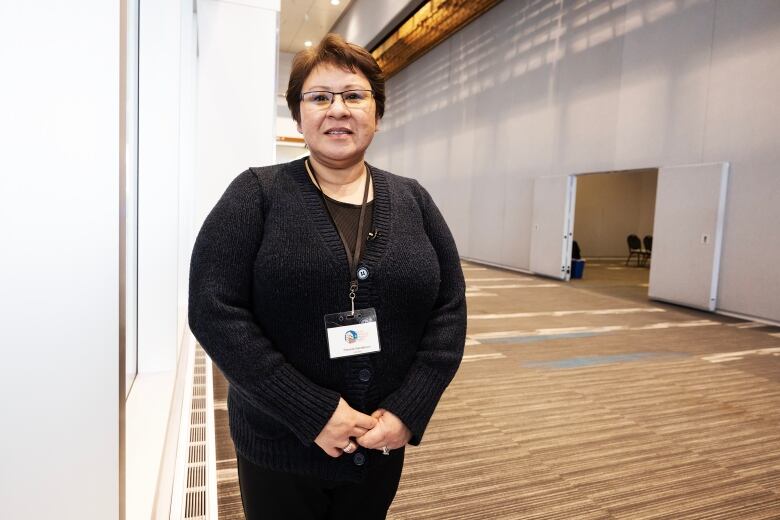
column 298, row 126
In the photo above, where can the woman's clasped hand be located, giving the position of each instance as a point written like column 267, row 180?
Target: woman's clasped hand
column 379, row 430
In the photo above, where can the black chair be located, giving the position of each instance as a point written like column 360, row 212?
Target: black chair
column 635, row 248
column 647, row 241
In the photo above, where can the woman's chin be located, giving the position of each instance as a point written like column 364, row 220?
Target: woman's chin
column 338, row 158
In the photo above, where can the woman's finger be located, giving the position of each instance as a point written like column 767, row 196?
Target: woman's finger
column 334, row 452
column 364, row 421
column 372, row 439
column 357, row 431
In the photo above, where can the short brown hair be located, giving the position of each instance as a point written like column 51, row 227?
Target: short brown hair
column 334, row 50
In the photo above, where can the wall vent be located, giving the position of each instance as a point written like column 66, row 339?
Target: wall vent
column 199, row 494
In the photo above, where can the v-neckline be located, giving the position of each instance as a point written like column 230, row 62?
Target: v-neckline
column 316, row 211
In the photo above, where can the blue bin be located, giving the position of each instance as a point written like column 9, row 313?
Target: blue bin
column 577, row 268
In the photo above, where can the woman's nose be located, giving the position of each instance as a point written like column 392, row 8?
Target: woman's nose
column 338, row 107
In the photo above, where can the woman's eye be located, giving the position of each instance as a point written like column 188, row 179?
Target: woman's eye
column 354, row 96
column 320, row 98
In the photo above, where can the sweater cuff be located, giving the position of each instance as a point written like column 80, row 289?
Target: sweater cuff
column 305, row 407
column 415, row 401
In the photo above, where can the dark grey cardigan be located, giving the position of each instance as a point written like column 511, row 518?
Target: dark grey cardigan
column 267, row 266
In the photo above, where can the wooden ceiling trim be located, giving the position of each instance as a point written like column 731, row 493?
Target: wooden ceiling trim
column 433, row 22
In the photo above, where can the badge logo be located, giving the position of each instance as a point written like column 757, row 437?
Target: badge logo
column 362, row 273
column 351, row 336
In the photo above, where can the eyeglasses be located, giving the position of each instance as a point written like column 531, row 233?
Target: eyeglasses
column 322, row 99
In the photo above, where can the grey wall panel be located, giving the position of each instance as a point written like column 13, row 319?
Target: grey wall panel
column 587, row 80
column 518, row 212
column 664, row 82
column 743, row 127
column 541, row 88
column 459, row 192
column 479, row 61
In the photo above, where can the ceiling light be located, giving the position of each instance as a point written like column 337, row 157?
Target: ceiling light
column 307, row 43
column 335, row 2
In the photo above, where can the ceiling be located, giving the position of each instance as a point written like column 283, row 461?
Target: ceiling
column 302, row 20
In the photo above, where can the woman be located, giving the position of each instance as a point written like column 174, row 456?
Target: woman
column 331, row 296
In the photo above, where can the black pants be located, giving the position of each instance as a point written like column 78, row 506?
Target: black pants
column 273, row 495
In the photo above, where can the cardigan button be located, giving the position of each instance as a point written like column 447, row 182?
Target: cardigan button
column 362, row 273
column 359, row 459
column 364, row 375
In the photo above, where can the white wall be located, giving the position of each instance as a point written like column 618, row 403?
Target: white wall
column 203, row 119
column 611, row 206
column 60, row 214
column 166, row 52
column 59, row 270
column 236, row 93
column 188, row 133
column 285, row 124
column 158, row 184
column 532, row 89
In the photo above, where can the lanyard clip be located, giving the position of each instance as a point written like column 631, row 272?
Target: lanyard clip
column 352, row 290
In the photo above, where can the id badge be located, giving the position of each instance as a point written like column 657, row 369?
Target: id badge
column 352, row 334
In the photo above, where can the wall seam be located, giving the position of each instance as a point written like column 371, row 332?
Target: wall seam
column 709, row 83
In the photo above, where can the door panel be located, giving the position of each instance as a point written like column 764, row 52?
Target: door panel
column 688, row 229
column 551, row 226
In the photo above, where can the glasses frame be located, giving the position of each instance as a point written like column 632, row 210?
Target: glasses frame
column 334, row 94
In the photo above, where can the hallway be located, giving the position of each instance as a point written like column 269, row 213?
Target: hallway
column 587, row 401
column 522, row 121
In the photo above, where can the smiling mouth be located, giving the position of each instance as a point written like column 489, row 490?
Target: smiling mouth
column 338, row 131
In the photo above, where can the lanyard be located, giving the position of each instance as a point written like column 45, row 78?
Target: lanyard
column 355, row 256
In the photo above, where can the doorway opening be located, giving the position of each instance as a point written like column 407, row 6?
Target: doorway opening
column 613, row 229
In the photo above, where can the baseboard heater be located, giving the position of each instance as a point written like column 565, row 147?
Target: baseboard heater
column 195, row 484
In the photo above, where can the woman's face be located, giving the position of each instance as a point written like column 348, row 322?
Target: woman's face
column 337, row 136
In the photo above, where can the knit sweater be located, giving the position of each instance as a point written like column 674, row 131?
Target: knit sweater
column 268, row 265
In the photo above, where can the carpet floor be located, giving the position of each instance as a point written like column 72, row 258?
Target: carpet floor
column 586, row 400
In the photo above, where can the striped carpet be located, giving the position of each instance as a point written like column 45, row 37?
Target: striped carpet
column 587, row 401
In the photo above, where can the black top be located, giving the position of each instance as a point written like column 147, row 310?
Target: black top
column 268, row 265
column 346, row 217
